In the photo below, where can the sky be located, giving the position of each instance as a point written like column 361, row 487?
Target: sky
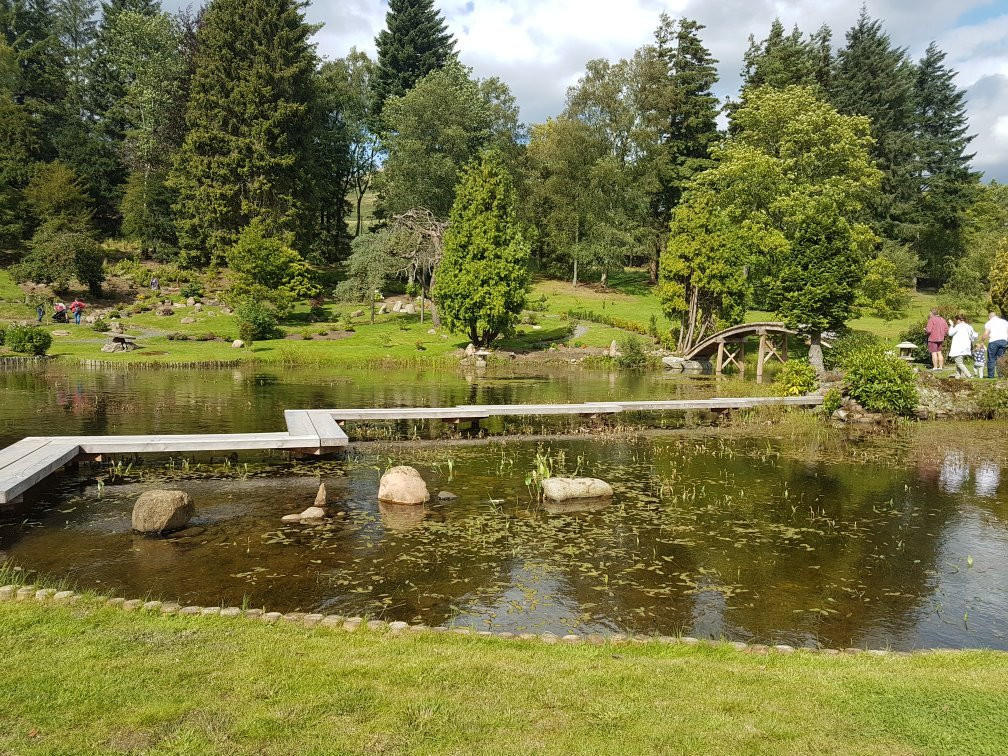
column 540, row 47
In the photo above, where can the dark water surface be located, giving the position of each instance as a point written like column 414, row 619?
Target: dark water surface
column 863, row 542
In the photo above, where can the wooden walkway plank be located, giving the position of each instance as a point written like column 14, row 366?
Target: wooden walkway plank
column 330, row 433
column 17, row 478
column 21, row 449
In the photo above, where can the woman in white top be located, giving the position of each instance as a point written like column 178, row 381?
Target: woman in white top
column 963, row 336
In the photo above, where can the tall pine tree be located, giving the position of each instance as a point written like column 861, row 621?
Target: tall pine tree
column 683, row 109
column 948, row 184
column 875, row 79
column 783, row 60
column 248, row 151
column 414, row 42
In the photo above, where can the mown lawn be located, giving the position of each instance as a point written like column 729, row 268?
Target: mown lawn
column 87, row 680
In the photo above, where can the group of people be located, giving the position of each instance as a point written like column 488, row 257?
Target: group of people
column 60, row 312
column 985, row 350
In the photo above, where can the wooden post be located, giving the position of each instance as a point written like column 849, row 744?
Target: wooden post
column 761, row 357
column 741, row 359
column 784, row 348
column 720, row 358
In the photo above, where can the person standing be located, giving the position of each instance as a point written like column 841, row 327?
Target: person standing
column 937, row 330
column 40, row 311
column 996, row 336
column 77, row 308
column 963, row 336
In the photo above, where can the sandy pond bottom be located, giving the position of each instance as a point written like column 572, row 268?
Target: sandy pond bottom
column 746, row 538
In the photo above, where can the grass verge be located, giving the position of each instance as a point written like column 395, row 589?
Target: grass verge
column 86, row 679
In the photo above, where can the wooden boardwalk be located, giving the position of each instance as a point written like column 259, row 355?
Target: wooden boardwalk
column 33, row 459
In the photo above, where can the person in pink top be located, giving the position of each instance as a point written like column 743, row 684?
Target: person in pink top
column 937, row 330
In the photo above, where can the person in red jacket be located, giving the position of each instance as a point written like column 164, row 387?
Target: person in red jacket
column 937, row 330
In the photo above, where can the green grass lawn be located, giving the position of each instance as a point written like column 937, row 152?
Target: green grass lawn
column 86, row 679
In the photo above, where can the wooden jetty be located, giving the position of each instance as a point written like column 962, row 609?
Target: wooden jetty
column 318, row 431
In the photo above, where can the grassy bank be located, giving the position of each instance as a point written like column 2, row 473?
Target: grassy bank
column 394, row 337
column 85, row 679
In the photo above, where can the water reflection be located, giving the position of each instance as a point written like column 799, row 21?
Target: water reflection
column 704, row 535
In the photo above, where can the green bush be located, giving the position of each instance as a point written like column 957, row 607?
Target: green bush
column 848, row 344
column 796, row 378
column 882, row 382
column 27, row 339
column 192, row 289
column 632, row 355
column 55, row 257
column 610, row 320
column 256, row 321
column 3, row 334
column 100, row 326
column 832, row 401
column 993, row 402
column 917, row 335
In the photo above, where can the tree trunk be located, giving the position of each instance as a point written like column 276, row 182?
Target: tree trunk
column 435, row 318
column 574, row 280
column 604, row 279
column 653, row 270
column 360, row 199
column 422, row 300
column 815, row 355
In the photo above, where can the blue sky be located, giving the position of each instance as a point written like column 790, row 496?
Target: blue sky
column 539, row 47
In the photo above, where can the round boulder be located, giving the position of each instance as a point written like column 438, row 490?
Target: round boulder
column 162, row 511
column 566, row 489
column 402, row 485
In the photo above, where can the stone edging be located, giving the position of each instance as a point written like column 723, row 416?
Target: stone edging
column 352, row 624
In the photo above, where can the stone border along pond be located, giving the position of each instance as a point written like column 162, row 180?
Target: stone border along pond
column 50, row 596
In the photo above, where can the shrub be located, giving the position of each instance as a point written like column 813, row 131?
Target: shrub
column 917, row 335
column 848, row 344
column 3, row 335
column 882, row 382
column 54, row 257
column 100, row 326
column 610, row 320
column 345, row 324
column 880, row 291
column 192, row 289
column 255, row 321
column 832, row 401
column 632, row 355
column 796, row 378
column 993, row 402
column 114, row 314
column 27, row 339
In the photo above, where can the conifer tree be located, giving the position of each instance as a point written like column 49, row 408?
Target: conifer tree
column 481, row 283
column 875, row 79
column 948, row 184
column 247, row 153
column 414, row 42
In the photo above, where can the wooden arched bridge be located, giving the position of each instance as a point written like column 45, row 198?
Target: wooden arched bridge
column 727, row 347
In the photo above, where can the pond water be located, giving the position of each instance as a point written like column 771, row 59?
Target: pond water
column 808, row 537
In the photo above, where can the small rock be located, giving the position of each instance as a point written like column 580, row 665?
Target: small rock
column 562, row 489
column 446, row 495
column 190, row 301
column 162, row 511
column 672, row 363
column 237, row 344
column 313, row 513
column 226, row 310
column 383, row 309
column 397, row 307
column 357, row 314
column 431, row 331
column 537, row 328
column 613, row 349
column 60, row 332
column 409, row 309
column 187, row 321
column 198, row 307
column 165, row 311
column 470, row 350
column 403, row 485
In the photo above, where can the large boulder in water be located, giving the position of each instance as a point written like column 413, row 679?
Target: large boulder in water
column 403, row 485
column 567, row 489
column 162, row 511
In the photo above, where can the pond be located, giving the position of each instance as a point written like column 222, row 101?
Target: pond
column 811, row 537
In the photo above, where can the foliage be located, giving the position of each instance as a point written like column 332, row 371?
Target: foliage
column 703, row 284
column 849, row 344
column 434, row 130
column 999, row 279
column 100, row 326
column 414, row 42
column 191, row 289
column 55, row 257
column 787, row 59
column 632, row 354
column 796, row 378
column 57, row 199
column 372, row 264
column 601, row 318
column 882, row 382
column 832, row 401
column 246, row 156
column 993, row 402
column 266, row 267
column 916, row 334
column 27, row 339
column 256, row 321
column 146, row 212
column 483, row 277
column 880, row 291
